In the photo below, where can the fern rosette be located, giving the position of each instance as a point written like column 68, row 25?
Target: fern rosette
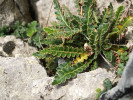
column 65, row 38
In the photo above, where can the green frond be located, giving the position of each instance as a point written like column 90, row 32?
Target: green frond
column 60, row 15
column 60, row 52
column 31, row 28
column 108, row 55
column 67, row 11
column 107, row 15
column 125, row 23
column 68, row 72
column 51, row 41
column 60, row 33
column 102, row 29
column 118, row 15
column 104, row 16
column 92, row 40
column 117, row 30
column 50, row 30
column 77, row 5
column 107, row 45
column 114, row 31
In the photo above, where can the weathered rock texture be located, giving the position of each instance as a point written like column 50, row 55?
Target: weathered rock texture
column 81, row 88
column 17, row 76
column 26, row 79
column 19, row 48
column 12, row 10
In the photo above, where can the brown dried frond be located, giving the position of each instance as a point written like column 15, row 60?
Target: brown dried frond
column 118, row 61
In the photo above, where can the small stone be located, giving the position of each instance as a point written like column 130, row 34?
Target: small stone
column 9, row 47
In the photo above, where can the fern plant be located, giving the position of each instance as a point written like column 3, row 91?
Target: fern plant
column 66, row 38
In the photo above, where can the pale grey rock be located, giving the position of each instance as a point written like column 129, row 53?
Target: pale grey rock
column 116, row 3
column 17, row 76
column 81, row 88
column 22, row 49
column 12, row 10
column 1, row 1
column 23, row 78
column 127, row 97
column 129, row 36
column 124, row 86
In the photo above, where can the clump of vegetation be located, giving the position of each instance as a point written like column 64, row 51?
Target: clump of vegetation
column 67, row 37
column 31, row 33
column 107, row 84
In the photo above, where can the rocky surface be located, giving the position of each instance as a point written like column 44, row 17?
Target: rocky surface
column 26, row 79
column 13, row 47
column 12, row 10
column 129, row 36
column 83, row 87
column 17, row 76
column 127, row 97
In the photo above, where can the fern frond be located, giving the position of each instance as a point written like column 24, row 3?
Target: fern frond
column 108, row 55
column 77, row 5
column 61, row 33
column 125, row 23
column 67, row 11
column 104, row 16
column 60, row 15
column 92, row 38
column 118, row 30
column 102, row 29
column 67, row 72
column 50, row 30
column 107, row 15
column 107, row 45
column 118, row 15
column 60, row 52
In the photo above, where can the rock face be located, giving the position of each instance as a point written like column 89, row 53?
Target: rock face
column 12, row 10
column 25, row 79
column 17, row 76
column 129, row 36
column 81, row 88
column 13, row 47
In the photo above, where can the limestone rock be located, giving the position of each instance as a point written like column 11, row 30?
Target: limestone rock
column 116, row 3
column 17, row 76
column 21, row 49
column 12, row 10
column 127, row 97
column 23, row 78
column 81, row 88
column 129, row 36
